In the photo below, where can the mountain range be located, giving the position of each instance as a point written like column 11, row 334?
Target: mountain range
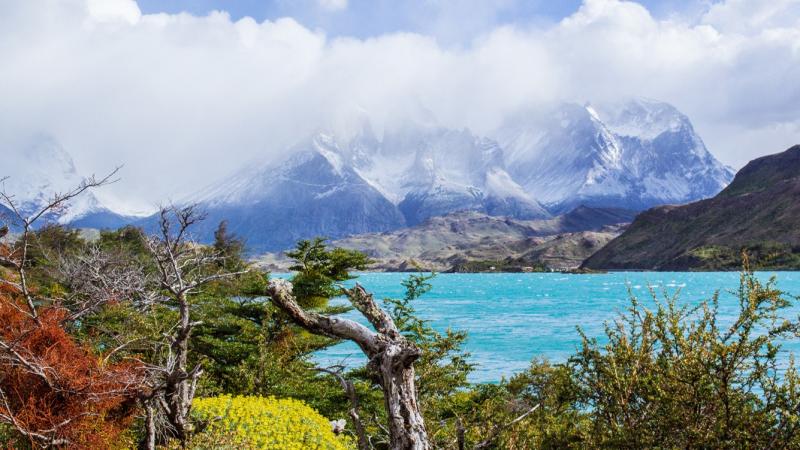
column 759, row 212
column 338, row 183
column 630, row 156
column 42, row 168
column 469, row 241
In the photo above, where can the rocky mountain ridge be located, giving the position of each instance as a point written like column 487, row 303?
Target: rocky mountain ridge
column 353, row 181
column 41, row 168
column 758, row 212
column 634, row 156
column 470, row 241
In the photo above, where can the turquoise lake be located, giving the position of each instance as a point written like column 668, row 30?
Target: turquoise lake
column 514, row 317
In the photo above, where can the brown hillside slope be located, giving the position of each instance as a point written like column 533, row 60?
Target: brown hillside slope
column 469, row 241
column 758, row 212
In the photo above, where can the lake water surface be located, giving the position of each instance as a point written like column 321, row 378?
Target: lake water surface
column 514, row 317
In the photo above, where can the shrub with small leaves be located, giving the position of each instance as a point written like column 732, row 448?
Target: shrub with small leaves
column 264, row 423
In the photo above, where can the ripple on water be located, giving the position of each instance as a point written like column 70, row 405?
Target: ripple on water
column 512, row 318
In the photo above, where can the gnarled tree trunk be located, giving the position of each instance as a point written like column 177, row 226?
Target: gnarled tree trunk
column 391, row 357
column 183, row 269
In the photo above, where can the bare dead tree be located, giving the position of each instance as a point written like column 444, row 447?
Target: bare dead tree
column 97, row 277
column 352, row 397
column 13, row 354
column 18, row 258
column 391, row 357
column 183, row 269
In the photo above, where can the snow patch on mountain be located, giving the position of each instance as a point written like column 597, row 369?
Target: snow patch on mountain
column 38, row 170
column 641, row 118
column 499, row 183
column 633, row 155
column 326, row 146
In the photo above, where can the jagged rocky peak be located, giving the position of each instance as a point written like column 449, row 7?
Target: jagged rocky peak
column 313, row 191
column 633, row 155
column 455, row 170
column 352, row 181
column 642, row 118
column 662, row 149
column 37, row 169
column 563, row 156
column 428, row 170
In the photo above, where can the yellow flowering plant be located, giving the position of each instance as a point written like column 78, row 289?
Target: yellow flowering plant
column 264, row 423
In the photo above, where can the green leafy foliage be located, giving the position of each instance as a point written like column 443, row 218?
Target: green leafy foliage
column 676, row 375
column 249, row 347
column 230, row 247
column 665, row 374
column 772, row 255
column 672, row 376
column 443, row 368
column 319, row 270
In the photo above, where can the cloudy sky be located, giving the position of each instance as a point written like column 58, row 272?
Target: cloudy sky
column 183, row 92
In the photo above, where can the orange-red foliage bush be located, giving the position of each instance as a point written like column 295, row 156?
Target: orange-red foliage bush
column 63, row 393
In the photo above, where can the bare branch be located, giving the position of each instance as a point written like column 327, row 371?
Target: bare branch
column 97, row 277
column 281, row 293
column 59, row 199
column 183, row 269
column 497, row 429
column 352, row 396
column 18, row 259
column 391, row 357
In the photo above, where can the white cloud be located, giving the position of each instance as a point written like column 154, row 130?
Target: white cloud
column 748, row 16
column 333, row 5
column 203, row 94
column 114, row 10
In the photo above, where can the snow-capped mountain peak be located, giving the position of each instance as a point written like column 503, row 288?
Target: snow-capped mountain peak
column 413, row 172
column 347, row 179
column 634, row 155
column 642, row 118
column 40, row 168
